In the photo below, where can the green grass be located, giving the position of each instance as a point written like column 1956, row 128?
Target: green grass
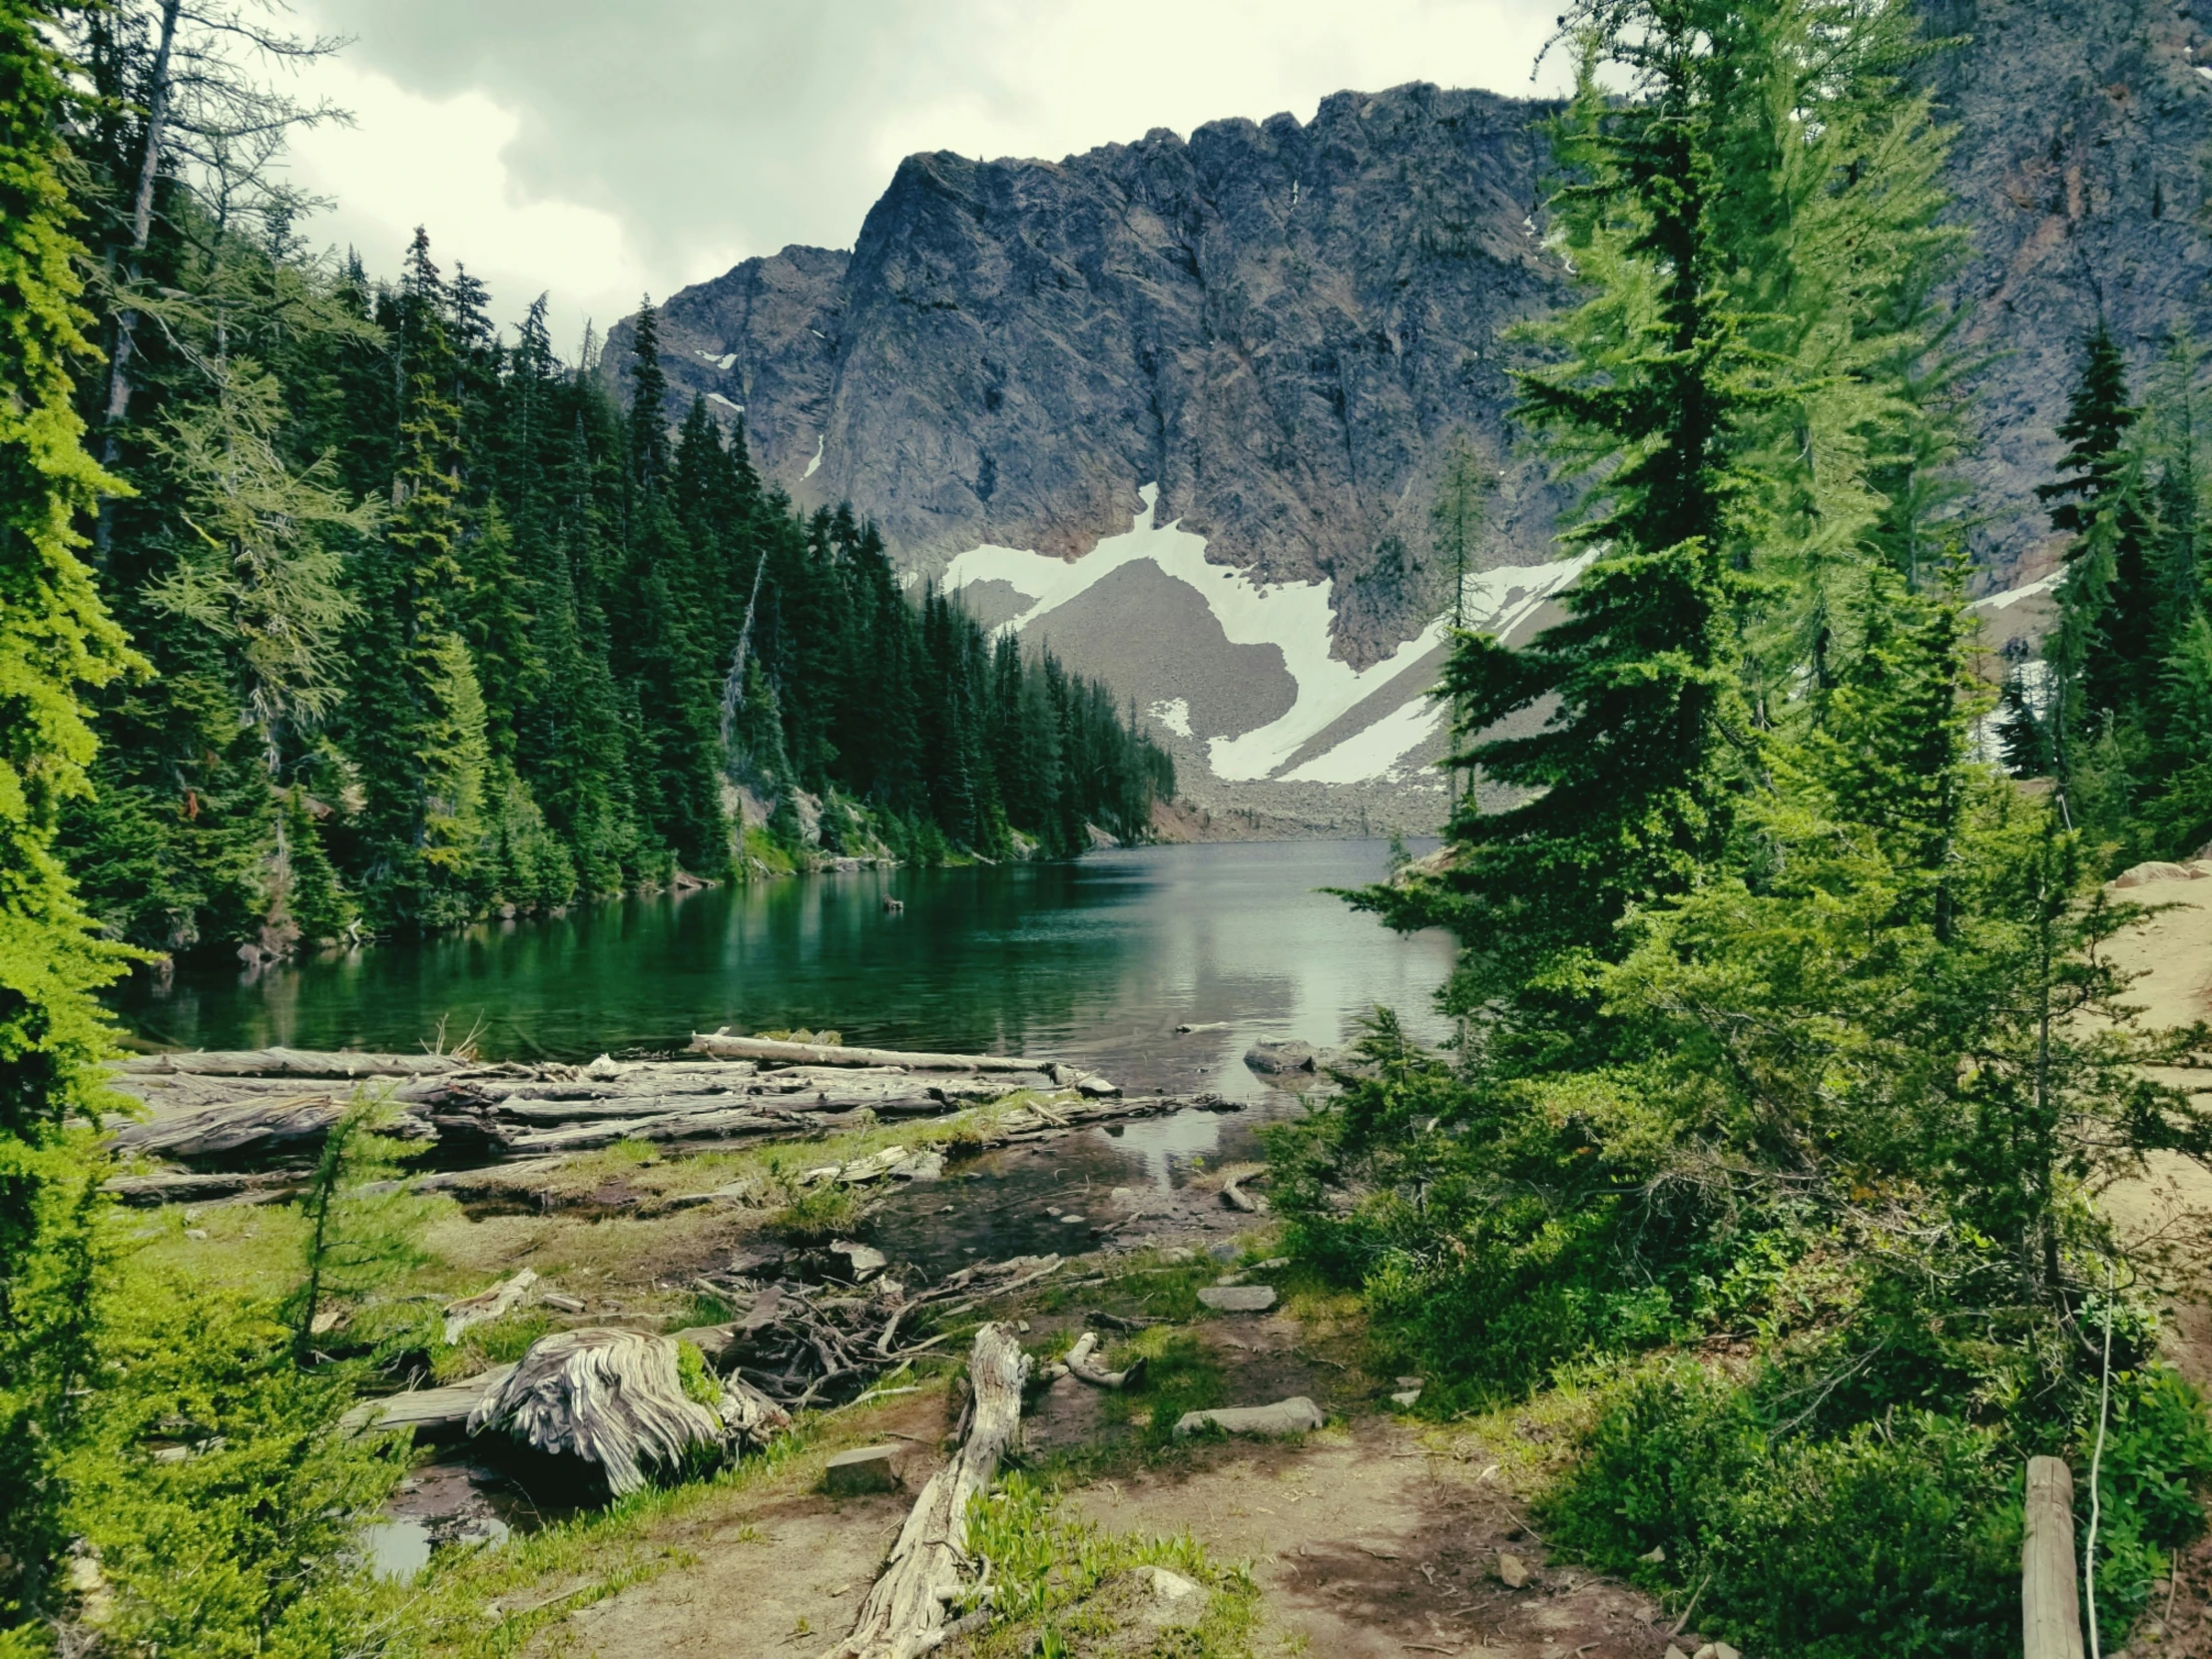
column 1067, row 1586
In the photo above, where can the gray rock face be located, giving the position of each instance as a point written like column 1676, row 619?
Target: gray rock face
column 2079, row 169
column 1283, row 325
column 1279, row 323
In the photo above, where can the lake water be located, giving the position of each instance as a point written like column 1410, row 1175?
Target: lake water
column 1098, row 960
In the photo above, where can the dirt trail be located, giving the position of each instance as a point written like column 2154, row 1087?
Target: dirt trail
column 2167, row 1217
column 1366, row 1542
column 1374, row 1536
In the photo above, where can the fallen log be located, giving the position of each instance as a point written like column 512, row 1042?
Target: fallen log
column 152, row 1191
column 903, row 1614
column 257, row 1125
column 616, row 1399
column 1079, row 1365
column 289, row 1062
column 429, row 1412
column 723, row 1045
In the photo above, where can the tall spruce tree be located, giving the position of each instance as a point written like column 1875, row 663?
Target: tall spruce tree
column 55, row 644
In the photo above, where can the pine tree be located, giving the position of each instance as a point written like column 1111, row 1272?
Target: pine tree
column 1631, row 772
column 55, row 644
column 2106, row 649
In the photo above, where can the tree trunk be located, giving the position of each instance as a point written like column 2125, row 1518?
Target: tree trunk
column 142, row 231
column 903, row 1616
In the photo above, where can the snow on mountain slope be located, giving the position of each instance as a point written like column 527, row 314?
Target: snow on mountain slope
column 1285, row 623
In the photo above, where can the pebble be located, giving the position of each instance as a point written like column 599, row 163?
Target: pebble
column 1513, row 1571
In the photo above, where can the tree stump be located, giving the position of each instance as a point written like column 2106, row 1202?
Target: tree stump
column 616, row 1399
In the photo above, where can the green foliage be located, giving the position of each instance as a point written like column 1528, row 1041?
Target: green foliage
column 1067, row 1586
column 221, row 1498
column 57, row 643
column 816, row 1213
column 696, row 1376
column 1899, row 1537
column 362, row 1225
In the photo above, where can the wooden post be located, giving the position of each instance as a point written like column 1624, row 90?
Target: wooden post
column 2050, row 1603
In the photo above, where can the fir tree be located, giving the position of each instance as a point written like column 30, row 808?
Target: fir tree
column 56, row 643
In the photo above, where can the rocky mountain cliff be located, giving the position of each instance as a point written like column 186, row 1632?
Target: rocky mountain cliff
column 1179, row 405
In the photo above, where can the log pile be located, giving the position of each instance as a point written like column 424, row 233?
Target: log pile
column 253, row 1108
column 903, row 1616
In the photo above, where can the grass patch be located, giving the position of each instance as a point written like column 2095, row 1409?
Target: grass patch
column 1067, row 1586
column 815, row 1215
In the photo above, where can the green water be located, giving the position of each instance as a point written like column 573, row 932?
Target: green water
column 1099, row 959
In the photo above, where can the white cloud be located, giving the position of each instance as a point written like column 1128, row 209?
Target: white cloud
column 602, row 150
column 441, row 162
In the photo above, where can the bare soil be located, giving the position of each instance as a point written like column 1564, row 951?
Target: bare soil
column 1376, row 1536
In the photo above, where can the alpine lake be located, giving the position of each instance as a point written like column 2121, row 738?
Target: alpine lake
column 1158, row 967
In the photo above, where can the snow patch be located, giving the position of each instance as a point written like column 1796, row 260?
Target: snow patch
column 724, row 362
column 1174, row 712
column 2205, row 68
column 717, row 398
column 2012, row 596
column 1290, row 615
column 1375, row 752
column 813, row 466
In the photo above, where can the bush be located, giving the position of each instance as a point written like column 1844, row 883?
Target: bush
column 1897, row 1537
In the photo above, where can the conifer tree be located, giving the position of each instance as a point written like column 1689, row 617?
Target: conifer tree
column 55, row 644
column 2105, row 651
column 1632, row 779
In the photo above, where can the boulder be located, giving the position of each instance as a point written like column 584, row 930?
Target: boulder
column 1513, row 1571
column 868, row 1469
column 1275, row 1059
column 1295, row 1416
column 2156, row 869
column 1238, row 1298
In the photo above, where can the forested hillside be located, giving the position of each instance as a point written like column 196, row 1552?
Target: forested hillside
column 430, row 629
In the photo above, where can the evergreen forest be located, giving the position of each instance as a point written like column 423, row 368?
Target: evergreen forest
column 1764, row 1197
column 424, row 628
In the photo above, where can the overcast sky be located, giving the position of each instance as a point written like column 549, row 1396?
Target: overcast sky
column 603, row 148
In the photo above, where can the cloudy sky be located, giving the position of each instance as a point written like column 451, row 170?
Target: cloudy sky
column 603, row 148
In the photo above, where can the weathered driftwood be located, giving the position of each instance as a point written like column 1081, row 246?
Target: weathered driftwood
column 809, row 1345
column 2050, row 1605
column 219, row 1118
column 291, row 1062
column 1080, row 1367
column 616, row 1399
column 828, row 1054
column 486, row 1306
column 256, row 1127
column 429, row 1412
column 903, row 1614
column 148, row 1191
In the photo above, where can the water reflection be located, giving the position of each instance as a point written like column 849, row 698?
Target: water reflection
column 1101, row 958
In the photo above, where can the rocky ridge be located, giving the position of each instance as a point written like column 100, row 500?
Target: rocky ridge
column 1254, row 347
